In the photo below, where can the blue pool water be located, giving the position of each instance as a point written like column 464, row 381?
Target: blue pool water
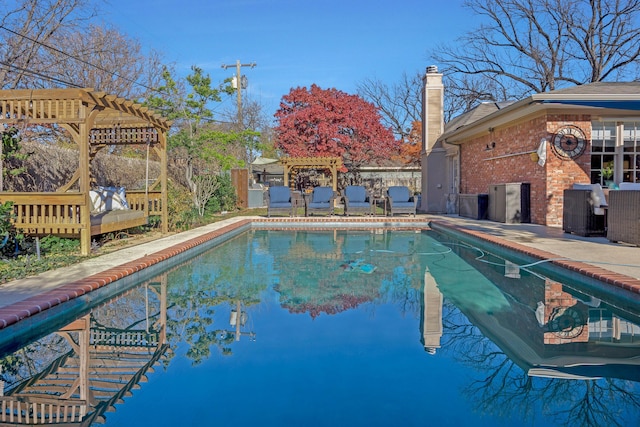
column 341, row 328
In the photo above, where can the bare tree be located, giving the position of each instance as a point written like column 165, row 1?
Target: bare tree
column 606, row 36
column 529, row 46
column 400, row 104
column 53, row 42
column 255, row 119
column 25, row 25
column 104, row 59
column 463, row 92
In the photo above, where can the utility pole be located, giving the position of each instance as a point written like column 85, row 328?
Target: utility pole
column 239, row 86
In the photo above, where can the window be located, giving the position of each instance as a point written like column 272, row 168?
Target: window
column 631, row 152
column 615, row 146
column 603, row 147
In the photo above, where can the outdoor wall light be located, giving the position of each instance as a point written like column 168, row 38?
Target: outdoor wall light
column 490, row 146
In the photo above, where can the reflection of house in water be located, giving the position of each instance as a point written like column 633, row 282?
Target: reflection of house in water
column 103, row 366
column 564, row 316
column 547, row 328
column 431, row 314
column 570, row 319
column 604, row 342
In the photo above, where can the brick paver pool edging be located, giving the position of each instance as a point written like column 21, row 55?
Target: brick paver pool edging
column 615, row 279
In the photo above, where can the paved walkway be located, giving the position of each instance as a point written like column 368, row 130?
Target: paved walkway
column 617, row 264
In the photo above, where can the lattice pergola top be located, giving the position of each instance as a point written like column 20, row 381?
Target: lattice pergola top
column 312, row 162
column 73, row 106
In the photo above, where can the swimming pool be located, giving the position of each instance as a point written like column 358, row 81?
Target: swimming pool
column 335, row 328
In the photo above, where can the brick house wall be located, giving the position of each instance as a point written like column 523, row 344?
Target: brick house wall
column 510, row 160
column 562, row 174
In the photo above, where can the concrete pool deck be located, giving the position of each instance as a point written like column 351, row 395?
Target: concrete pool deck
column 613, row 263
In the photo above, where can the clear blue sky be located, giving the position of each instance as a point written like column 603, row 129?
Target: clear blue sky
column 332, row 43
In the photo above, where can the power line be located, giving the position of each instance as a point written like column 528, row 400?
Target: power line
column 58, row 80
column 37, row 74
column 78, row 59
column 70, row 84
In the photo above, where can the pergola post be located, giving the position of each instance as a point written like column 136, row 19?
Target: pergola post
column 334, row 178
column 85, row 176
column 287, row 171
column 163, row 182
column 85, row 231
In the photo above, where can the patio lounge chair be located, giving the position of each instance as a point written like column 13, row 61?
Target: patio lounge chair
column 400, row 200
column 279, row 200
column 319, row 201
column 623, row 216
column 356, row 200
column 583, row 211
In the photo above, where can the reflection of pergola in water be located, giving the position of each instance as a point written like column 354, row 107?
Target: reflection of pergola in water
column 103, row 366
column 293, row 164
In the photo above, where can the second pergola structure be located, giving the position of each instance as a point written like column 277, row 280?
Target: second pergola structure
column 295, row 163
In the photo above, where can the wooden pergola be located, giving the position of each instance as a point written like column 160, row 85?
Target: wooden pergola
column 294, row 163
column 94, row 120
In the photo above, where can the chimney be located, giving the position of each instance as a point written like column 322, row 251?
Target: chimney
column 436, row 166
column 432, row 108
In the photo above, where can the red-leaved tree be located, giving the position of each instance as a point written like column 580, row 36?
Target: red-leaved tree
column 320, row 122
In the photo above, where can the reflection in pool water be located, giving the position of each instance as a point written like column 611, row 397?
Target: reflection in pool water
column 336, row 328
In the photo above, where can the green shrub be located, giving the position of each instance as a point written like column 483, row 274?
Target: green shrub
column 59, row 245
column 6, row 215
column 224, row 199
column 182, row 214
column 154, row 221
column 56, row 252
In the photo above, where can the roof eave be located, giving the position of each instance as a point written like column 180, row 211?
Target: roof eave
column 532, row 105
column 520, row 108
